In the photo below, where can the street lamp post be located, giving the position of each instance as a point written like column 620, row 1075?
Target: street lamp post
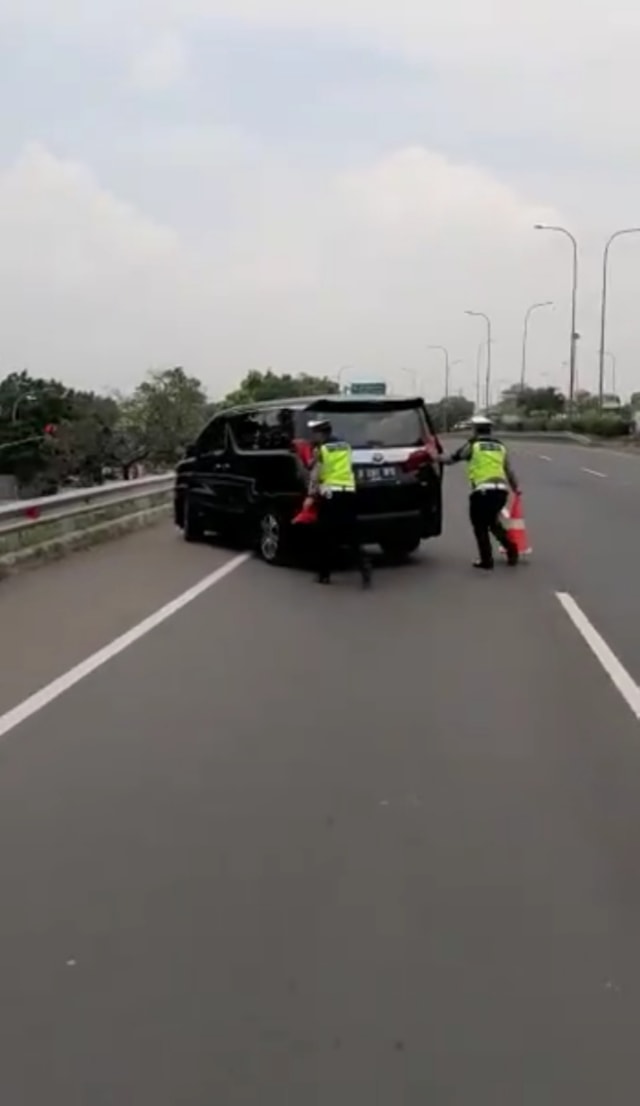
column 525, row 335
column 612, row 356
column 487, row 386
column 603, row 304
column 447, row 372
column 574, row 299
column 478, row 372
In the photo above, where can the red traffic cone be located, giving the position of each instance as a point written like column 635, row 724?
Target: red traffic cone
column 514, row 524
column 308, row 512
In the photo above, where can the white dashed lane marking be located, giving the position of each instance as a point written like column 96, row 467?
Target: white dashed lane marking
column 594, row 472
column 616, row 672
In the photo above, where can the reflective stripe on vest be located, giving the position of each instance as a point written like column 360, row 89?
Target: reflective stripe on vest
column 487, row 463
column 336, row 467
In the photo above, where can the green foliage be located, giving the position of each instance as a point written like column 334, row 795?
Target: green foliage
column 163, row 415
column 27, row 405
column 94, row 435
column 447, row 413
column 531, row 401
column 608, row 425
column 258, row 386
column 99, row 436
column 83, row 445
column 592, row 423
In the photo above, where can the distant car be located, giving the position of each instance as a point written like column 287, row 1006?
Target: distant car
column 245, row 477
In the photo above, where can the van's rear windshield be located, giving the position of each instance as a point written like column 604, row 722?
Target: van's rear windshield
column 370, row 425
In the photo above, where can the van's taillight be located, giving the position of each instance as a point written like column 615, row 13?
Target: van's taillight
column 419, row 458
column 430, row 451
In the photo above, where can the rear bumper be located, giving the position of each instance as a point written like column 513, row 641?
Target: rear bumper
column 378, row 528
column 375, row 527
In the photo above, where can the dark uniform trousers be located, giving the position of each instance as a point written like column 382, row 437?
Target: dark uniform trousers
column 337, row 528
column 484, row 512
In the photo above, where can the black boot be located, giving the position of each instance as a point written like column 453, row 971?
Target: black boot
column 365, row 572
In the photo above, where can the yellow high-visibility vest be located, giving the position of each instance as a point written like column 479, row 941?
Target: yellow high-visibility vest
column 336, row 467
column 487, row 463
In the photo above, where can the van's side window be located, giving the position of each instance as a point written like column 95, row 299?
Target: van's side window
column 276, row 428
column 213, row 437
column 263, row 429
column 245, row 430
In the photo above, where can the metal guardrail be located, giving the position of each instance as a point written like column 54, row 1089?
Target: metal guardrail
column 25, row 512
column 532, row 435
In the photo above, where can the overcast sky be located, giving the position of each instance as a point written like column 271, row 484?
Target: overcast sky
column 305, row 184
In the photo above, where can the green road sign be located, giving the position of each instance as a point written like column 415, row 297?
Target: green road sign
column 373, row 388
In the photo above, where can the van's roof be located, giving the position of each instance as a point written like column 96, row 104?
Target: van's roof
column 300, row 403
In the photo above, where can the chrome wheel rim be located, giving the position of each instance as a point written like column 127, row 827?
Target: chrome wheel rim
column 269, row 537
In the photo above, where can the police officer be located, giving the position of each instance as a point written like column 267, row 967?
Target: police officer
column 490, row 476
column 333, row 486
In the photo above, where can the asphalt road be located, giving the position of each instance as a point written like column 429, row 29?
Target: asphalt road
column 318, row 846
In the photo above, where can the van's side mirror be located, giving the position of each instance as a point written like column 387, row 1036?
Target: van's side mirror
column 190, row 449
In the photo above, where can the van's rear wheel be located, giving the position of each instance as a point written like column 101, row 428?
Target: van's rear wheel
column 401, row 548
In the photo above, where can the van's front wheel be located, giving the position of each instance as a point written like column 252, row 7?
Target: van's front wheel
column 192, row 524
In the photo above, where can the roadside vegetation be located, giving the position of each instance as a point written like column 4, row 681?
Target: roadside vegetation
column 53, row 436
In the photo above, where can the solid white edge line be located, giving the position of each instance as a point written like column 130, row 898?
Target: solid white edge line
column 616, row 672
column 594, row 472
column 57, row 687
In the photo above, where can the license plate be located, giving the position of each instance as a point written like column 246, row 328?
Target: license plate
column 380, row 472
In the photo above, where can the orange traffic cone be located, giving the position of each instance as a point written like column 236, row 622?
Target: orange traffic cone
column 514, row 524
column 308, row 512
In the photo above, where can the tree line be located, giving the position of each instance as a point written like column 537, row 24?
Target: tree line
column 548, row 409
column 53, row 436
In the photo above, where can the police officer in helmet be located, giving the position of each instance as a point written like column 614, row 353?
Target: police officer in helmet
column 490, row 476
column 333, row 486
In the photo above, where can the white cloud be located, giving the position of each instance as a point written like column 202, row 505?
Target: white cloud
column 479, row 30
column 535, row 67
column 161, row 65
column 364, row 263
column 369, row 267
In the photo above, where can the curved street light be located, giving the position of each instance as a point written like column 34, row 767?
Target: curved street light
column 448, row 365
column 525, row 335
column 487, row 386
column 574, row 297
column 603, row 305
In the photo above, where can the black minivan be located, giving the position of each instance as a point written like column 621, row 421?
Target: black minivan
column 245, row 477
